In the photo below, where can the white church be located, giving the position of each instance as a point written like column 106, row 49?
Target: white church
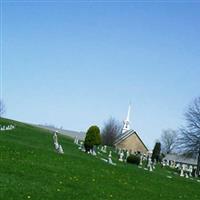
column 129, row 139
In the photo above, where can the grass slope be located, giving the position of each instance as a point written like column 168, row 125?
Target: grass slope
column 31, row 169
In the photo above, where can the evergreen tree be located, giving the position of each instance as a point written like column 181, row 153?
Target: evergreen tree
column 92, row 138
column 156, row 152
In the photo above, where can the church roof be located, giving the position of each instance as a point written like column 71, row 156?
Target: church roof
column 127, row 134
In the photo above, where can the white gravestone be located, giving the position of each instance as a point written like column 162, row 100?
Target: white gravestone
column 149, row 165
column 150, row 168
column 94, row 153
column 76, row 140
column 190, row 170
column 186, row 175
column 55, row 141
column 60, row 150
column 182, row 171
column 141, row 159
column 149, row 162
column 110, row 159
column 105, row 148
column 121, row 156
column 127, row 154
column 154, row 164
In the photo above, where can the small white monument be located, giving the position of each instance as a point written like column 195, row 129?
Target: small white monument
column 60, row 150
column 149, row 162
column 93, row 152
column 121, row 156
column 190, row 170
column 150, row 168
column 105, row 148
column 76, row 140
column 149, row 165
column 56, row 145
column 141, row 159
column 182, row 172
column 110, row 159
column 127, row 154
column 55, row 137
column 186, row 175
column 55, row 141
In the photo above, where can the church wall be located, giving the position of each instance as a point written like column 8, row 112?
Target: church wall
column 133, row 144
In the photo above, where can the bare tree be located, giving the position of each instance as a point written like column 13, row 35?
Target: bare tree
column 168, row 140
column 189, row 140
column 112, row 128
column 2, row 108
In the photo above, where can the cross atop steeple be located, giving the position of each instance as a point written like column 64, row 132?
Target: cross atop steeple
column 126, row 126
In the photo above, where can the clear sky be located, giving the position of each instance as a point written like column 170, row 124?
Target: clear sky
column 74, row 64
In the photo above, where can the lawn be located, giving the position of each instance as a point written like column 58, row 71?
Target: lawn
column 31, row 169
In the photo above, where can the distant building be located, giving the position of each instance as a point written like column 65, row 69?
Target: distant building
column 129, row 139
column 180, row 159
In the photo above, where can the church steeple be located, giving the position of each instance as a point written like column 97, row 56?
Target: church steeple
column 126, row 126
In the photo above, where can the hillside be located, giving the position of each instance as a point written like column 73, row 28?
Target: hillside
column 31, row 169
column 70, row 133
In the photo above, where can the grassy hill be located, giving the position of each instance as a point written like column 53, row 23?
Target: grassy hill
column 31, row 169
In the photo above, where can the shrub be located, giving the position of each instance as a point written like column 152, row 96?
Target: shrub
column 134, row 159
column 92, row 138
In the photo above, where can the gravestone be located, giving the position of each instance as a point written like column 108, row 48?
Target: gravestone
column 55, row 138
column 93, row 152
column 186, row 175
column 190, row 170
column 60, row 150
column 150, row 167
column 55, row 141
column 127, row 155
column 154, row 164
column 141, row 159
column 105, row 148
column 76, row 140
column 56, row 145
column 121, row 156
column 182, row 172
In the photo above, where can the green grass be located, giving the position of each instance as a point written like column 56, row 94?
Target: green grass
column 31, row 169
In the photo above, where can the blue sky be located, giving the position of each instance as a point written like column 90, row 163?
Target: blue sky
column 74, row 64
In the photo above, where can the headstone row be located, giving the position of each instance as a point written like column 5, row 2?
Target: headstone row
column 7, row 128
column 186, row 170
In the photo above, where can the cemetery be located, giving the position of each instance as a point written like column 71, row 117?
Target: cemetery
column 40, row 164
column 67, row 68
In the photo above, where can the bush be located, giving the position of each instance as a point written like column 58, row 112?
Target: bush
column 92, row 138
column 134, row 159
